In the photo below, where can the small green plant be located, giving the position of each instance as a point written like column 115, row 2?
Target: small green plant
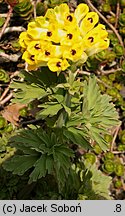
column 62, row 142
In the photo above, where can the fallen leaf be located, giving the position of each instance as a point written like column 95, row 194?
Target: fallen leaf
column 11, row 113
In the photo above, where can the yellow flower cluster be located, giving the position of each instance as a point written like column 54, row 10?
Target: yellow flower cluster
column 61, row 37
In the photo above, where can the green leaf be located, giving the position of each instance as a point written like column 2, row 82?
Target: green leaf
column 97, row 108
column 100, row 182
column 49, row 110
column 98, row 112
column 26, row 93
column 49, row 164
column 44, row 151
column 2, row 20
column 20, row 164
column 39, row 170
column 77, row 137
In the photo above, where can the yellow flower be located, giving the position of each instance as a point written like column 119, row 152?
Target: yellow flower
column 102, row 44
column 61, row 36
column 88, row 23
column 29, row 58
column 24, row 40
column 80, row 12
column 56, row 64
column 34, row 47
column 47, row 52
column 72, row 36
column 73, row 53
column 60, row 13
column 35, row 31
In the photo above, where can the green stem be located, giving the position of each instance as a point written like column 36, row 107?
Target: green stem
column 67, row 101
column 63, row 116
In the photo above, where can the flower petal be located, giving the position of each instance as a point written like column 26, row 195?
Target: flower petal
column 88, row 22
column 81, row 11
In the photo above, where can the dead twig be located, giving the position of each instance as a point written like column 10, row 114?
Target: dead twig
column 106, row 21
column 6, row 99
column 8, row 88
column 6, row 22
column 5, row 15
column 14, row 29
column 114, row 137
column 117, row 14
column 105, row 72
column 8, row 58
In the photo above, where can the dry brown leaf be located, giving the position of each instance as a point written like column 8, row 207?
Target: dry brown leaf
column 11, row 113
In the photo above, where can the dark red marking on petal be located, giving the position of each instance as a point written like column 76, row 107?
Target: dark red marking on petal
column 73, row 52
column 47, row 53
column 90, row 19
column 70, row 36
column 70, row 18
column 91, row 39
column 49, row 33
column 58, row 64
column 37, row 46
column 32, row 57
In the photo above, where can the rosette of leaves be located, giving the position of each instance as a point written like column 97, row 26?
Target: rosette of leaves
column 4, row 77
column 43, row 153
column 24, row 8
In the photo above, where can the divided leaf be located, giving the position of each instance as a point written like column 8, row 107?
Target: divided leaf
column 27, row 92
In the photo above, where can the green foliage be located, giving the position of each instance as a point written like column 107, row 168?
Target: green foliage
column 75, row 118
column 26, row 93
column 96, row 117
column 2, row 20
column 94, row 184
column 42, row 152
column 4, row 77
column 24, row 8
